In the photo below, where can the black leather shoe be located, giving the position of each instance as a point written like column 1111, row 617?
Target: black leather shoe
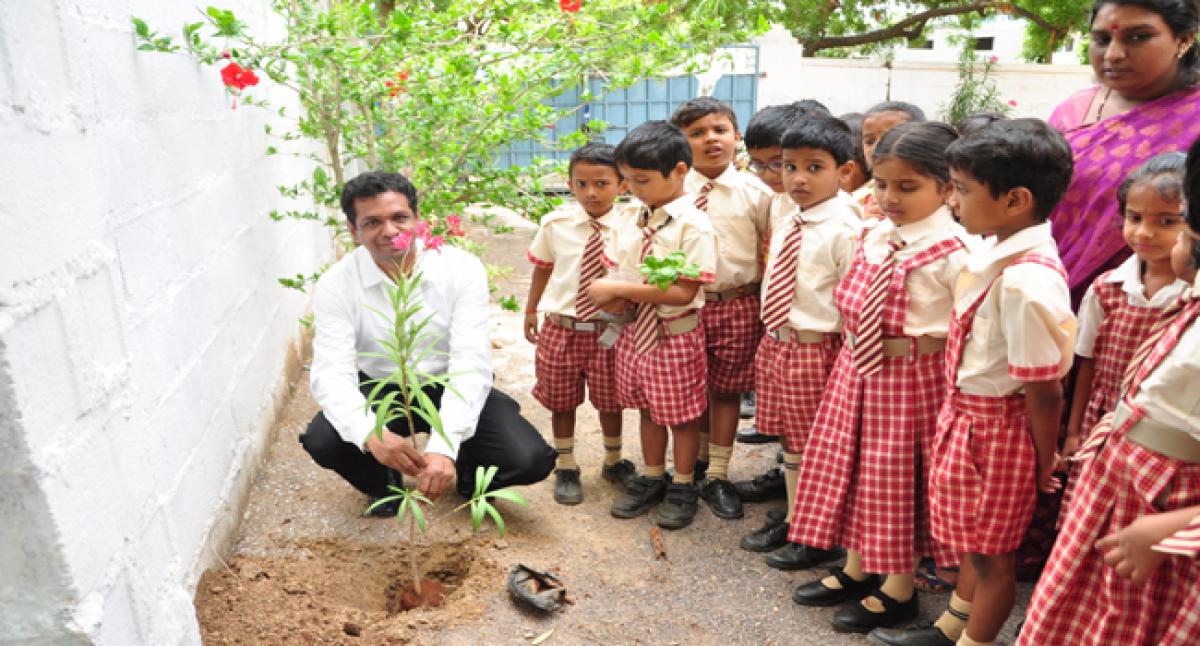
column 722, row 498
column 701, row 470
column 794, row 556
column 567, row 490
column 749, row 406
column 678, row 508
column 620, row 474
column 643, row 493
column 814, row 593
column 771, row 536
column 768, row 486
column 926, row 635
column 855, row 618
column 750, row 435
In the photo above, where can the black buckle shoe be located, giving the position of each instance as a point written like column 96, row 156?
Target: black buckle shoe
column 750, row 435
column 856, row 618
column 814, row 593
column 642, row 494
column 678, row 508
column 794, row 556
column 768, row 486
column 749, row 406
column 621, row 474
column 927, row 635
column 567, row 490
column 772, row 535
column 722, row 498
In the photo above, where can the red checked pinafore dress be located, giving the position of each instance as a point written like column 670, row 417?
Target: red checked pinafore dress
column 1080, row 600
column 864, row 472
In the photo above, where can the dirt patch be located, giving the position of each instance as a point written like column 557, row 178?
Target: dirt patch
column 339, row 592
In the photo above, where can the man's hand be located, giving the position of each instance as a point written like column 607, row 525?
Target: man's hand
column 436, row 476
column 397, row 452
column 531, row 327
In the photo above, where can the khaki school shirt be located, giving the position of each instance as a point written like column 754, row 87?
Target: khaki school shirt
column 559, row 244
column 679, row 225
column 739, row 207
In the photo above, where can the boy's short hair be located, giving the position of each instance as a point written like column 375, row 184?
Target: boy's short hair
column 654, row 145
column 821, row 132
column 973, row 122
column 596, row 153
column 914, row 113
column 854, row 121
column 767, row 126
column 692, row 110
column 1164, row 172
column 373, row 183
column 1191, row 186
column 1017, row 153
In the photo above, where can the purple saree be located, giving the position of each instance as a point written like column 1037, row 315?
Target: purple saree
column 1086, row 224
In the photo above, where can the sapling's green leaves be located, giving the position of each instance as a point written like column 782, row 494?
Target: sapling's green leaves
column 509, row 495
column 477, row 507
column 417, row 512
column 491, row 511
column 663, row 272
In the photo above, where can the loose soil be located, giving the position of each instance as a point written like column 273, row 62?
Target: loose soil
column 306, row 568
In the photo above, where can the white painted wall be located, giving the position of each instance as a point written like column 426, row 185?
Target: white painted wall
column 143, row 335
column 853, row 85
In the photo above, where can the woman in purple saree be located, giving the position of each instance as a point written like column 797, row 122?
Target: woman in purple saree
column 1148, row 102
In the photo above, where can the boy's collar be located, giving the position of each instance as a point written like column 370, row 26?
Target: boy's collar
column 726, row 177
column 1017, row 243
column 914, row 231
column 825, row 209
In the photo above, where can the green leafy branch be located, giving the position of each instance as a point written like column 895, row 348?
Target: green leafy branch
column 663, row 272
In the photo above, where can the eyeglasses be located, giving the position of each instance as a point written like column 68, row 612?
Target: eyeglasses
column 758, row 168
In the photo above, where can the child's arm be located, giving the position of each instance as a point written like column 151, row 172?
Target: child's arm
column 1083, row 392
column 1130, row 551
column 606, row 290
column 1043, row 400
column 541, row 276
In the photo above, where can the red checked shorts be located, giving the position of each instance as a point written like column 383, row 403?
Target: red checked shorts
column 790, row 379
column 566, row 360
column 669, row 381
column 732, row 330
column 984, row 482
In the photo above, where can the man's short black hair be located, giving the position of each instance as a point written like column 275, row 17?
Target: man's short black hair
column 373, row 183
column 695, row 109
column 914, row 113
column 1017, row 153
column 596, row 153
column 821, row 132
column 854, row 120
column 654, row 145
column 767, row 126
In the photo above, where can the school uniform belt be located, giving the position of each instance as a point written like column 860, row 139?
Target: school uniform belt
column 906, row 346
column 678, row 325
column 1158, row 437
column 733, row 293
column 575, row 325
column 786, row 334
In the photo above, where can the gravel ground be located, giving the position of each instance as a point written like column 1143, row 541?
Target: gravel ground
column 306, row 568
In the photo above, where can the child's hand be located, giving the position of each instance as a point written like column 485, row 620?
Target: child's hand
column 531, row 327
column 1128, row 551
column 872, row 211
column 603, row 291
column 1070, row 446
column 618, row 306
column 1047, row 482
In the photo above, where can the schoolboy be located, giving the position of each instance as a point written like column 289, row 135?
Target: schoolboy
column 568, row 253
column 738, row 207
column 660, row 354
column 877, row 120
column 1010, row 344
column 812, row 249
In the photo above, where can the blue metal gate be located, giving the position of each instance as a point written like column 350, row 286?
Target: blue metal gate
column 625, row 109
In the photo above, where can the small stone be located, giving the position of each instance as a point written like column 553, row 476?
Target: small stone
column 500, row 544
column 252, row 572
column 529, row 634
column 216, row 589
column 352, row 629
column 496, row 344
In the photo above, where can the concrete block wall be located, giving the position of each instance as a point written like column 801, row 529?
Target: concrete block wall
column 143, row 335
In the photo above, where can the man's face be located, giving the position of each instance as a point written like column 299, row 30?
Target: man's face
column 714, row 143
column 379, row 219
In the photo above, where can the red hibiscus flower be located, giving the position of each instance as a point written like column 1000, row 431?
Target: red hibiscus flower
column 1012, row 102
column 572, row 6
column 238, row 77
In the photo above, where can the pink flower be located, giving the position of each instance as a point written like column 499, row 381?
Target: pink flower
column 402, row 241
column 435, row 243
column 1012, row 102
column 424, row 228
column 993, row 59
column 454, row 225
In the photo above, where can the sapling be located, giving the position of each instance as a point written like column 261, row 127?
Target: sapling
column 663, row 272
column 402, row 396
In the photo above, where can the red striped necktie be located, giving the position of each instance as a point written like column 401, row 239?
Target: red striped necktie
column 782, row 283
column 868, row 338
column 645, row 326
column 590, row 269
column 1152, row 338
column 702, row 198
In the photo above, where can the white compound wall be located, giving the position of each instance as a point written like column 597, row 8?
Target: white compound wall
column 143, row 335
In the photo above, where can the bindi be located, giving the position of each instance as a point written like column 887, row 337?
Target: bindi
column 1115, row 27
